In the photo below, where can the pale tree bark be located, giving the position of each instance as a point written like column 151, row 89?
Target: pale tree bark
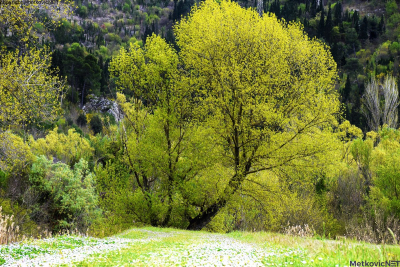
column 260, row 7
column 391, row 94
column 377, row 114
column 372, row 107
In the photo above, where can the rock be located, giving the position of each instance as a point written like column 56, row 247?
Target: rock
column 104, row 105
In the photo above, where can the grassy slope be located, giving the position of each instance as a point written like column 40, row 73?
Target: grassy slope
column 174, row 250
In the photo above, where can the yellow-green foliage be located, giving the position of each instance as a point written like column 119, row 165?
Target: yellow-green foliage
column 385, row 164
column 268, row 88
column 245, row 94
column 266, row 202
column 147, row 72
column 28, row 90
column 68, row 148
column 22, row 19
column 15, row 154
column 147, row 194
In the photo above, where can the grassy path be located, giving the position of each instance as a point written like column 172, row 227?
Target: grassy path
column 169, row 247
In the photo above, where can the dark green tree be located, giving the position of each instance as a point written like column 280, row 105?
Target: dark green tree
column 338, row 13
column 313, row 9
column 328, row 25
column 356, row 21
column 373, row 28
column 381, row 25
column 346, row 90
column 321, row 26
column 276, row 8
column 96, row 124
column 363, row 34
column 73, row 63
column 91, row 77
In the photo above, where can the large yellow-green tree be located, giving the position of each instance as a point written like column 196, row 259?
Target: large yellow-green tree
column 263, row 87
column 29, row 91
column 162, row 147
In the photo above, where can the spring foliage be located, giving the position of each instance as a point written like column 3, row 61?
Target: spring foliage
column 29, row 92
column 70, row 193
column 268, row 88
column 21, row 18
column 14, row 153
column 68, row 148
column 258, row 90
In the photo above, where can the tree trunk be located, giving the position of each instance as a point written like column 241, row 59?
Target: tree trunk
column 201, row 220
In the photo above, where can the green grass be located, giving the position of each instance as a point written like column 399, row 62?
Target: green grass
column 22, row 251
column 151, row 246
column 331, row 252
column 293, row 251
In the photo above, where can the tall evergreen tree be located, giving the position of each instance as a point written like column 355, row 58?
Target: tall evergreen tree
column 363, row 34
column 321, row 26
column 328, row 25
column 356, row 19
column 347, row 89
column 313, row 8
column 276, row 8
column 373, row 28
column 346, row 16
column 381, row 25
column 338, row 13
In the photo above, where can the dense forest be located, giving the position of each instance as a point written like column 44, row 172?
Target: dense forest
column 260, row 116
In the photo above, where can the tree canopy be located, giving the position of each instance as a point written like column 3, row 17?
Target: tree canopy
column 265, row 89
column 29, row 92
column 262, row 90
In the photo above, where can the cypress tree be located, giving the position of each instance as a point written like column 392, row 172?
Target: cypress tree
column 328, row 25
column 338, row 13
column 381, row 25
column 320, row 6
column 356, row 19
column 313, row 8
column 346, row 16
column 276, row 8
column 364, row 29
column 321, row 26
column 335, row 53
column 373, row 28
column 347, row 89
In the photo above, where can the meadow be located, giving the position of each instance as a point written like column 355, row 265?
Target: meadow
column 150, row 246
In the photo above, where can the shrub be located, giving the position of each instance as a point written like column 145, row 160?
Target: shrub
column 66, row 148
column 81, row 120
column 14, row 153
column 96, row 124
column 70, row 194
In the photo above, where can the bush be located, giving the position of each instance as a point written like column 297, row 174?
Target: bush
column 66, row 148
column 15, row 155
column 81, row 120
column 69, row 194
column 96, row 124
